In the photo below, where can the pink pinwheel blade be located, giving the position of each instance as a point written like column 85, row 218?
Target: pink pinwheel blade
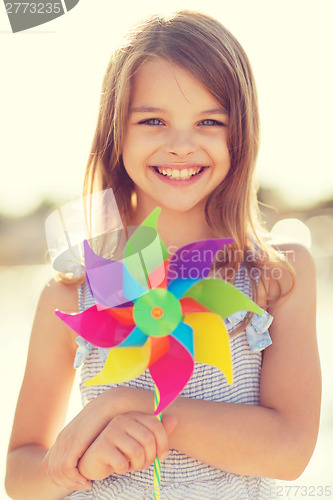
column 97, row 326
column 194, row 260
column 171, row 373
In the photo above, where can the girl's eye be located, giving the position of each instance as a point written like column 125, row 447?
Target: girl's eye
column 151, row 121
column 211, row 123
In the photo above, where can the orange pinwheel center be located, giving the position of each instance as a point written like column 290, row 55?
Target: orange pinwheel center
column 157, row 312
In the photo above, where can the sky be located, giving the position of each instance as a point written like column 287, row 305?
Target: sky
column 51, row 80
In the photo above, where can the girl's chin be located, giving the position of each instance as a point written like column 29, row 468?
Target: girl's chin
column 173, row 205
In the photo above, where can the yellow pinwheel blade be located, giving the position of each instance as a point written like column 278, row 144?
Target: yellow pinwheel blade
column 122, row 364
column 211, row 341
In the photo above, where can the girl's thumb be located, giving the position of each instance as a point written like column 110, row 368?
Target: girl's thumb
column 169, row 422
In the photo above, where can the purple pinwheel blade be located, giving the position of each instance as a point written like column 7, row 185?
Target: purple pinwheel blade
column 105, row 278
column 97, row 326
column 193, row 261
column 171, row 373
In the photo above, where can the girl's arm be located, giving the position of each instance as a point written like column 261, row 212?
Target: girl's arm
column 43, row 399
column 43, row 457
column 277, row 438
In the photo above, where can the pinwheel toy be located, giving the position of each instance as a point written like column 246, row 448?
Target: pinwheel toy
column 158, row 312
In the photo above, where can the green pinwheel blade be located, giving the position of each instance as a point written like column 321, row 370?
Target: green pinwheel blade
column 221, row 297
column 151, row 221
column 145, row 251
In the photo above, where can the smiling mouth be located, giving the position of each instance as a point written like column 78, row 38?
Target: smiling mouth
column 183, row 175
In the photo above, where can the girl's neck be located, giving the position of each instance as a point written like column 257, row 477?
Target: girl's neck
column 177, row 228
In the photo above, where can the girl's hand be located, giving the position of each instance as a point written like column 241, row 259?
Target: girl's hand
column 60, row 463
column 129, row 442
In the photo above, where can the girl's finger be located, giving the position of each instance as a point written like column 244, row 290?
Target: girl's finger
column 156, row 429
column 64, row 472
column 133, row 438
column 114, row 459
column 134, row 446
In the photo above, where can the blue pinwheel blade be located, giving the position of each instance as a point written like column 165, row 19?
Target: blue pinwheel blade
column 180, row 286
column 135, row 339
column 184, row 334
column 134, row 283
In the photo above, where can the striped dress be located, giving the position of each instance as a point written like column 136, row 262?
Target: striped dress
column 183, row 477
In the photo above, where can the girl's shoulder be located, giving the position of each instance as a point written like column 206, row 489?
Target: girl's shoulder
column 64, row 297
column 277, row 276
column 283, row 280
column 59, row 295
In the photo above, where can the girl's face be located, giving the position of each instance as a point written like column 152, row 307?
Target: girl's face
column 175, row 147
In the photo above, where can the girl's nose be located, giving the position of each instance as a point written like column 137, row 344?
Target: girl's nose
column 180, row 144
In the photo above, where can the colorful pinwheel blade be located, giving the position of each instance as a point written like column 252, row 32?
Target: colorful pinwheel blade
column 123, row 314
column 190, row 305
column 135, row 283
column 180, row 286
column 193, row 261
column 221, row 297
column 105, row 278
column 158, row 277
column 122, row 364
column 135, row 339
column 184, row 334
column 171, row 373
column 96, row 326
column 211, row 341
column 145, row 252
column 159, row 346
column 151, row 221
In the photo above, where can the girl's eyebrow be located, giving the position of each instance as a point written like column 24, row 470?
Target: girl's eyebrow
column 215, row 111
column 148, row 109
column 153, row 109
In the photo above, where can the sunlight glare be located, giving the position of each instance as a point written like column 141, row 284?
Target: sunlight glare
column 292, row 230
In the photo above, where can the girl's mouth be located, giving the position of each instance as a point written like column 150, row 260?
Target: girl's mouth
column 179, row 175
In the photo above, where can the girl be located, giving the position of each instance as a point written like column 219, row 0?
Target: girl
column 178, row 128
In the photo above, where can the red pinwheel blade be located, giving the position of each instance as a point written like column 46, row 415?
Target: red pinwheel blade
column 159, row 346
column 171, row 373
column 190, row 305
column 123, row 314
column 96, row 326
column 158, row 277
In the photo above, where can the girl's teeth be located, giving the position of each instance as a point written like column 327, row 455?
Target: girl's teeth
column 184, row 174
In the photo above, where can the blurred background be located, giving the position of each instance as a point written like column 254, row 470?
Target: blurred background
column 50, row 85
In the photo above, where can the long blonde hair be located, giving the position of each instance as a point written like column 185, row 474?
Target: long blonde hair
column 205, row 48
